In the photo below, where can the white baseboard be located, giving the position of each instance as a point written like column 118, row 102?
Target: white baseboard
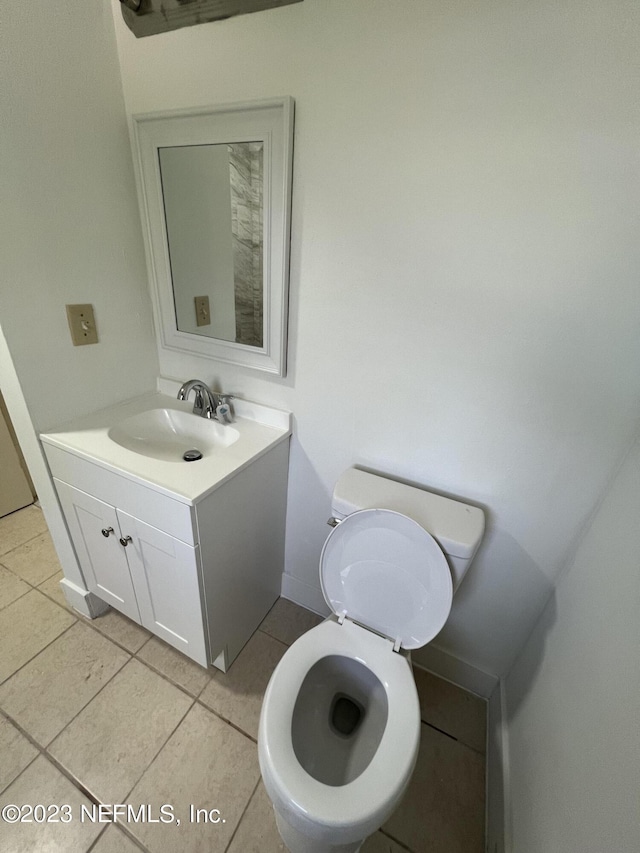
column 304, row 594
column 457, row 671
column 82, row 600
column 497, row 791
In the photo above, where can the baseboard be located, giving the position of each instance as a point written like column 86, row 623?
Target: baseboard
column 497, row 790
column 304, row 594
column 82, row 600
column 457, row 671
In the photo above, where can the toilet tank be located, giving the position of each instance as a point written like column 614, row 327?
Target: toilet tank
column 456, row 526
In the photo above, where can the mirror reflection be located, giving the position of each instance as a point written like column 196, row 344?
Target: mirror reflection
column 213, row 206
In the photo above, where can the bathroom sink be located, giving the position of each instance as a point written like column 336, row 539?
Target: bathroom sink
column 166, row 434
column 145, row 439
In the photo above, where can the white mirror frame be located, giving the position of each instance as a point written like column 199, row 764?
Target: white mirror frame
column 270, row 122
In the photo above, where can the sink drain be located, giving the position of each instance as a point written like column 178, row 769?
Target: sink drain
column 191, row 455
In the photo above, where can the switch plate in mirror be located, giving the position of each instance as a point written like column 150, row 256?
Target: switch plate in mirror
column 203, row 317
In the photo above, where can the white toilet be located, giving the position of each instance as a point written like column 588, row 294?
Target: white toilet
column 340, row 722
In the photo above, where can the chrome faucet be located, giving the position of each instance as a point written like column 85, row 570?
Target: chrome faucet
column 205, row 401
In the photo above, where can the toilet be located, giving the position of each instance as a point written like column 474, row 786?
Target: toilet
column 340, row 722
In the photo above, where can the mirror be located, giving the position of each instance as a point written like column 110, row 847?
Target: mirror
column 212, row 198
column 215, row 189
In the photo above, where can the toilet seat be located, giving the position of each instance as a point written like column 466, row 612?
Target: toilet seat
column 356, row 809
column 383, row 570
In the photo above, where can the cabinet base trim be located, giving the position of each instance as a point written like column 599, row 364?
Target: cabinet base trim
column 222, row 661
column 82, row 600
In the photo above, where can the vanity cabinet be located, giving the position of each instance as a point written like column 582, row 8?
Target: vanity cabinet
column 144, row 573
column 200, row 573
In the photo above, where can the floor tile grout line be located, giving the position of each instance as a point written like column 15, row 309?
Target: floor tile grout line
column 453, row 737
column 22, row 544
column 43, row 751
column 164, row 675
column 95, row 841
column 124, row 826
column 395, row 840
column 244, row 811
column 22, row 666
column 78, row 783
column 17, row 548
column 57, row 572
column 262, row 630
column 441, row 731
column 89, row 622
column 228, row 722
column 196, row 699
column 28, row 582
column 22, row 595
column 130, row 837
column 45, row 748
column 27, row 737
column 89, row 701
column 65, row 727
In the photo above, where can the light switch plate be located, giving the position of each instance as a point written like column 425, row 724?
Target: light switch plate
column 82, row 325
column 203, row 317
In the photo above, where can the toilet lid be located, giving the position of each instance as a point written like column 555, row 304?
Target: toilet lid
column 387, row 573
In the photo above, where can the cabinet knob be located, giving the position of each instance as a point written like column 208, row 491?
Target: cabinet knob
column 106, row 531
column 124, row 540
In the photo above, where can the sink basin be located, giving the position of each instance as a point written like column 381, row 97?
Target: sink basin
column 167, row 434
column 142, row 438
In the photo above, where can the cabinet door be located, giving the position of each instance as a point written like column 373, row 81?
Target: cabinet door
column 102, row 558
column 165, row 572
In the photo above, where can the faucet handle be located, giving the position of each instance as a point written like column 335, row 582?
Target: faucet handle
column 224, row 413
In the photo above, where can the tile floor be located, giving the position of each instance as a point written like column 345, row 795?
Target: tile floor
column 102, row 712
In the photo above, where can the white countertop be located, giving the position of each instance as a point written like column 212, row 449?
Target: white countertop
column 260, row 428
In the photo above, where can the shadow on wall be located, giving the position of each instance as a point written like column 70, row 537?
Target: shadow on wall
column 522, row 677
column 308, row 508
column 498, row 603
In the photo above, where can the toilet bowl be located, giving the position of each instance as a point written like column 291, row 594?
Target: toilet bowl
column 326, row 786
column 340, row 722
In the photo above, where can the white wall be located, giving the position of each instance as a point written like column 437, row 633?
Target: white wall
column 69, row 224
column 573, row 696
column 464, row 300
column 69, row 228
